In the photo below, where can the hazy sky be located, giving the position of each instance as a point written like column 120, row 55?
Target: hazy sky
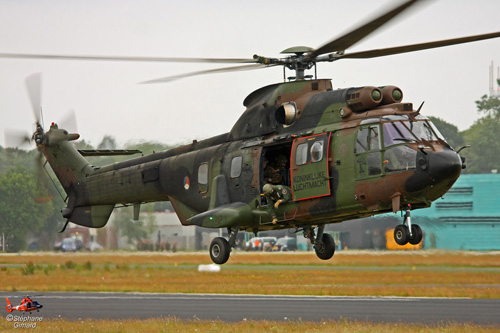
column 108, row 101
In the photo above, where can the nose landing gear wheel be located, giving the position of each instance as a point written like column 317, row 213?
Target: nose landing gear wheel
column 220, row 250
column 416, row 234
column 326, row 248
column 401, row 234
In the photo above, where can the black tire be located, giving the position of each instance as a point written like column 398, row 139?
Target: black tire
column 416, row 234
column 401, row 234
column 220, row 250
column 326, row 248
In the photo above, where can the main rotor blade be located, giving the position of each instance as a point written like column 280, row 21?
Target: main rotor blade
column 417, row 47
column 351, row 38
column 34, row 87
column 209, row 71
column 123, row 58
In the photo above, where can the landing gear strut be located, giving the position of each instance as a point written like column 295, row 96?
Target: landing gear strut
column 323, row 244
column 408, row 232
column 220, row 248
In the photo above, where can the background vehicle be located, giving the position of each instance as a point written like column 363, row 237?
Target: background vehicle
column 285, row 244
column 261, row 244
column 68, row 245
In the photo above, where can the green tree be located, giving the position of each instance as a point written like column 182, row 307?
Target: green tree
column 107, row 142
column 489, row 106
column 484, row 154
column 147, row 147
column 19, row 211
column 133, row 230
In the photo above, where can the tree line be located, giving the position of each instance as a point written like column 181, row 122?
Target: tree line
column 483, row 156
column 31, row 199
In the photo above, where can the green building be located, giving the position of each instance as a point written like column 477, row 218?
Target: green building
column 465, row 218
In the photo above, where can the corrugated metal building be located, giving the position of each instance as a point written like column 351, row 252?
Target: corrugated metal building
column 466, row 218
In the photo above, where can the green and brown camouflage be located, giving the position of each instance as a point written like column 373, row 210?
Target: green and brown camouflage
column 338, row 141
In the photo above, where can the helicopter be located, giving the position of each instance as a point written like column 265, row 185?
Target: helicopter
column 348, row 153
column 26, row 305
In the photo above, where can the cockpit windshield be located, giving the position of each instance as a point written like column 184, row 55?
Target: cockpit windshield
column 395, row 132
column 422, row 130
column 406, row 130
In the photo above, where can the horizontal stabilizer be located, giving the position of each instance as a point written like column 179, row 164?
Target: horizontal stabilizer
column 91, row 216
column 233, row 214
column 108, row 152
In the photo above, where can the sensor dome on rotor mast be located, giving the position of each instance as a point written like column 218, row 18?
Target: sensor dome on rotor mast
column 299, row 63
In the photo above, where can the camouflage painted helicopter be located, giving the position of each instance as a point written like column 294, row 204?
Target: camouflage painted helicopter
column 349, row 153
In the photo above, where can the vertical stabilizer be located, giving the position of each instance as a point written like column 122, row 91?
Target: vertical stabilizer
column 9, row 306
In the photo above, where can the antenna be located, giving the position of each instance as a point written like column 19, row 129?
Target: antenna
column 494, row 84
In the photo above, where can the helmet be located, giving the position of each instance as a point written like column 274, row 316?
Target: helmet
column 267, row 189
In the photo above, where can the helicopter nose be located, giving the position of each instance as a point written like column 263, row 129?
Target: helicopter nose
column 435, row 169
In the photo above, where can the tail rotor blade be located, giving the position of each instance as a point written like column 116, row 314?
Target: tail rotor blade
column 16, row 138
column 68, row 122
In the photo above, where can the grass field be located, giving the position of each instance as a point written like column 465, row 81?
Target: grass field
column 349, row 273
column 175, row 325
column 354, row 273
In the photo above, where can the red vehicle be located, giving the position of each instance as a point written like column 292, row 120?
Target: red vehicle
column 27, row 305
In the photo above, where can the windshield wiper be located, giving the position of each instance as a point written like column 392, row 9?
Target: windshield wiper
column 405, row 139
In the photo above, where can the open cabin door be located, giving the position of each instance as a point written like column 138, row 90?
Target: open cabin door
column 309, row 167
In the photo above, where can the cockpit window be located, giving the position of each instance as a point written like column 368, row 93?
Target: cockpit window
column 395, row 133
column 400, row 158
column 433, row 127
column 368, row 139
column 436, row 131
column 422, row 130
column 395, row 117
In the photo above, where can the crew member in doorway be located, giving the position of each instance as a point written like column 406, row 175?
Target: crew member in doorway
column 281, row 166
column 272, row 173
column 275, row 196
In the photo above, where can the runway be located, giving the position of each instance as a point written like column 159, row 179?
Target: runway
column 116, row 306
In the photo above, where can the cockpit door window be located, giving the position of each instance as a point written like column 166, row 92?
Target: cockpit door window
column 368, row 139
column 368, row 155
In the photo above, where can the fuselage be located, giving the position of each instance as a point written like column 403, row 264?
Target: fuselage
column 347, row 153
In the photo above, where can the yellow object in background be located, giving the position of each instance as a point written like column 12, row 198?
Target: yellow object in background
column 392, row 245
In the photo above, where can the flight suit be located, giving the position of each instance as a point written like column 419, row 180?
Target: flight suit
column 276, row 195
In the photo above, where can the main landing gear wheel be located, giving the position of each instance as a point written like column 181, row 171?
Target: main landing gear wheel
column 323, row 244
column 326, row 248
column 416, row 234
column 220, row 250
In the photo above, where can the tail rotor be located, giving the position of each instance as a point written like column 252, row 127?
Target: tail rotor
column 19, row 138
column 9, row 306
